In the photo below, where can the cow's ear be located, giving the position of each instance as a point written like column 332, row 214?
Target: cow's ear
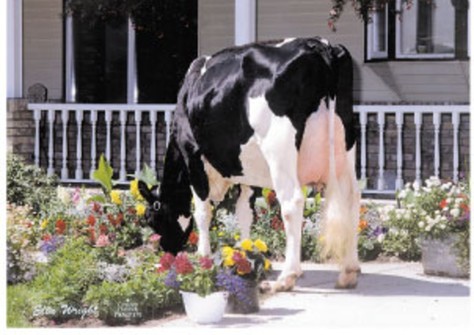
column 146, row 192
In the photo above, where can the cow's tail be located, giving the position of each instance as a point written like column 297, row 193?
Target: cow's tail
column 338, row 228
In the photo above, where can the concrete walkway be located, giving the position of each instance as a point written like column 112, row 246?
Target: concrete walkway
column 388, row 295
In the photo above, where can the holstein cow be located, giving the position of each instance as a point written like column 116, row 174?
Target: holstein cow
column 276, row 115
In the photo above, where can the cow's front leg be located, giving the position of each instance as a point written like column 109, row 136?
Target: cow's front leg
column 203, row 216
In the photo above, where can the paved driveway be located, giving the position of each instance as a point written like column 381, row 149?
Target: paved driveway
column 388, row 295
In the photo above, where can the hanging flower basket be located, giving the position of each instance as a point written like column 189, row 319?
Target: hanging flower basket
column 440, row 258
column 207, row 309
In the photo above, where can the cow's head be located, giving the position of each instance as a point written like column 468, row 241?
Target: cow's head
column 165, row 219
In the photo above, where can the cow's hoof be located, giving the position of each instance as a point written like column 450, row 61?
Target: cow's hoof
column 285, row 283
column 348, row 278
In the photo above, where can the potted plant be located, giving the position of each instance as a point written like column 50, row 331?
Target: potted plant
column 243, row 266
column 195, row 278
column 439, row 213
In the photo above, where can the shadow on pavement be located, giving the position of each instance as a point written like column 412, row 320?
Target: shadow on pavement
column 264, row 316
column 381, row 285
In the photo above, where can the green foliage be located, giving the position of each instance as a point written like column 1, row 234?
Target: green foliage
column 67, row 277
column 140, row 297
column 148, row 176
column 103, row 175
column 29, row 185
column 21, row 300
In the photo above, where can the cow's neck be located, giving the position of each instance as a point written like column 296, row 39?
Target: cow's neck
column 175, row 188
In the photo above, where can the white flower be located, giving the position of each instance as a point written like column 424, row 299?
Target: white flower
column 380, row 238
column 442, row 226
column 455, row 212
column 421, row 224
column 402, row 194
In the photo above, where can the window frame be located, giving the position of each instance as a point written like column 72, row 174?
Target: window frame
column 393, row 40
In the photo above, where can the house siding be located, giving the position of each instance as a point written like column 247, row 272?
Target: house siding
column 43, row 46
column 215, row 25
column 393, row 82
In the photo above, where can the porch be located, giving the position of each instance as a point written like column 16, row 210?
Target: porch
column 398, row 143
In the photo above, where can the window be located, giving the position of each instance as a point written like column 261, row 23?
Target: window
column 116, row 62
column 426, row 29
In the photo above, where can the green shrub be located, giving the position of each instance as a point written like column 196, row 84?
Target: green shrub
column 28, row 185
column 139, row 298
column 64, row 281
column 21, row 300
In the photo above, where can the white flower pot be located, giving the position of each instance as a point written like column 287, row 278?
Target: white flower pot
column 439, row 258
column 208, row 309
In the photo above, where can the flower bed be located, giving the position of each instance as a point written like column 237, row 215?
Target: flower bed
column 89, row 254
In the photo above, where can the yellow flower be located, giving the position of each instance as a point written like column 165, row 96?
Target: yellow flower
column 260, row 245
column 247, row 244
column 115, row 196
column 237, row 237
column 141, row 209
column 44, row 224
column 229, row 261
column 134, row 190
column 267, row 265
column 220, row 234
column 227, row 251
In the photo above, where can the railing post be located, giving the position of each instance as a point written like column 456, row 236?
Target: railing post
column 399, row 122
column 51, row 119
column 65, row 119
column 93, row 142
column 79, row 117
column 418, row 123
column 37, row 118
column 153, row 117
column 363, row 147
column 455, row 120
column 108, row 125
column 123, row 123
column 381, row 123
column 436, row 123
column 138, row 120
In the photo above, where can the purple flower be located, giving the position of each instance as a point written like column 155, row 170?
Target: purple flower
column 171, row 279
column 235, row 285
column 51, row 245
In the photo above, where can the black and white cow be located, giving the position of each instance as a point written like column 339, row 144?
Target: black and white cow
column 276, row 115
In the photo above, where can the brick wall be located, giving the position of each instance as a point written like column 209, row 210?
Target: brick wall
column 20, row 129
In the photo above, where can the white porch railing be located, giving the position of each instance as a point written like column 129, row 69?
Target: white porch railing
column 47, row 114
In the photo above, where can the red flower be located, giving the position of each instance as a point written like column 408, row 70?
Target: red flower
column 103, row 229
column 443, row 203
column 277, row 224
column 46, row 237
column 271, row 198
column 243, row 266
column 193, row 238
column 205, row 262
column 115, row 221
column 96, row 208
column 60, row 226
column 91, row 220
column 166, row 261
column 183, row 264
column 91, row 234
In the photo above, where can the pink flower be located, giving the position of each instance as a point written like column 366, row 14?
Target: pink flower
column 102, row 241
column 205, row 262
column 183, row 264
column 154, row 238
column 166, row 261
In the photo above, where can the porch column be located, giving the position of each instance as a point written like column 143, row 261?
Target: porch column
column 132, row 88
column 14, row 48
column 70, row 64
column 245, row 30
